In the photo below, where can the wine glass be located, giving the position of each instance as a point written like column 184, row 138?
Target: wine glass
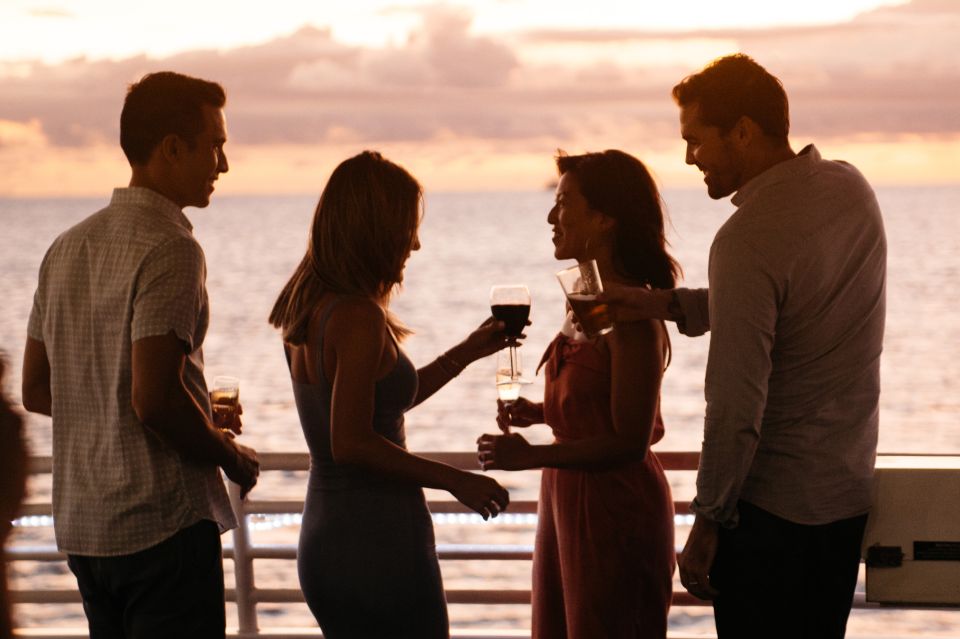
column 510, row 304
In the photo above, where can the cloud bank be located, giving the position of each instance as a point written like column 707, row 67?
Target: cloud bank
column 887, row 74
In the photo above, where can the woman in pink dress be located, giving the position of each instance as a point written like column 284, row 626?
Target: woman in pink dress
column 604, row 554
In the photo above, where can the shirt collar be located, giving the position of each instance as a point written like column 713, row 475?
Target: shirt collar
column 797, row 165
column 144, row 198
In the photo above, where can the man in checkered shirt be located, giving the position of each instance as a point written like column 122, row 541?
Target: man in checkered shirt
column 114, row 356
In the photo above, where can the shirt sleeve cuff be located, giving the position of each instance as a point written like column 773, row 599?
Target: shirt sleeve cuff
column 695, row 310
column 726, row 516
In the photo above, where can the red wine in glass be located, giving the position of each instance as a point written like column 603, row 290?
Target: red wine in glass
column 511, row 305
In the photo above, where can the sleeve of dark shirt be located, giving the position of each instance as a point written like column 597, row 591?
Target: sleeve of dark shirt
column 694, row 307
column 743, row 316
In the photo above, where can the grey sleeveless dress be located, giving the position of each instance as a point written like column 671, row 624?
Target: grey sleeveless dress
column 367, row 558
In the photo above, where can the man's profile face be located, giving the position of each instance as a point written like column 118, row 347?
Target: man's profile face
column 200, row 166
column 712, row 152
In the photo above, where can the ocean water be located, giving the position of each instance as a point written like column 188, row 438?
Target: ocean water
column 471, row 241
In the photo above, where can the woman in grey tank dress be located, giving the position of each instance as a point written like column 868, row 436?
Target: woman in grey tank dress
column 367, row 559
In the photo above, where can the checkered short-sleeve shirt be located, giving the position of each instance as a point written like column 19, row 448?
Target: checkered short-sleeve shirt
column 130, row 271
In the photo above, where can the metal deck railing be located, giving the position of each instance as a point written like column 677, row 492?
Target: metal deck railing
column 244, row 553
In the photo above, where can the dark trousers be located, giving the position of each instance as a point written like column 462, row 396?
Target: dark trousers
column 785, row 580
column 173, row 589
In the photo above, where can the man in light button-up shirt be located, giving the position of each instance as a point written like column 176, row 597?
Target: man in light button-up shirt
column 797, row 306
column 114, row 356
column 796, row 309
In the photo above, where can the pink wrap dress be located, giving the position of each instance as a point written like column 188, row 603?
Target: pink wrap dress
column 604, row 555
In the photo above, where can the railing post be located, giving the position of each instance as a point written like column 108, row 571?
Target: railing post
column 243, row 567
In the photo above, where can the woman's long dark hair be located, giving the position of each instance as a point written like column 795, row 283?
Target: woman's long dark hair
column 620, row 186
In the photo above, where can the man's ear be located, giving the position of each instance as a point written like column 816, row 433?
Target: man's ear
column 171, row 147
column 745, row 131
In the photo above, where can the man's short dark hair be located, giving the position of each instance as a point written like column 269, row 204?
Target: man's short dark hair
column 735, row 86
column 161, row 104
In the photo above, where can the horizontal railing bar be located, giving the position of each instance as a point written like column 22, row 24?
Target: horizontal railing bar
column 457, row 596
column 33, row 553
column 519, row 507
column 670, row 459
column 299, row 461
column 46, row 595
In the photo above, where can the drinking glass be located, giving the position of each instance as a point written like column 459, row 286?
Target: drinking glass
column 225, row 394
column 510, row 303
column 581, row 284
column 509, row 375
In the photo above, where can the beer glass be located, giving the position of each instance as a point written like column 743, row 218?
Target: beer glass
column 225, row 394
column 581, row 284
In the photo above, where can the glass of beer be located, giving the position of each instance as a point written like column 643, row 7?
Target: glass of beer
column 581, row 284
column 225, row 395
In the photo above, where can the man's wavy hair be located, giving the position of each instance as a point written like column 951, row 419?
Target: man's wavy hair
column 735, row 86
column 161, row 104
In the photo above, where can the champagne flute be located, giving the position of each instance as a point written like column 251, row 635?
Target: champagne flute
column 509, row 371
column 509, row 377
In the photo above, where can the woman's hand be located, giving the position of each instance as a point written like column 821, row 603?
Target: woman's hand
column 481, row 494
column 487, row 339
column 504, row 452
column 521, row 413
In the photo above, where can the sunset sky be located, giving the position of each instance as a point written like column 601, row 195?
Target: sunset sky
column 473, row 94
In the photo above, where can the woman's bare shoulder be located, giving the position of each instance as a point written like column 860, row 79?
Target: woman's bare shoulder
column 352, row 316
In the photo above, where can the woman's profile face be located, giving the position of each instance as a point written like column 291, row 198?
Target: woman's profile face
column 414, row 246
column 575, row 226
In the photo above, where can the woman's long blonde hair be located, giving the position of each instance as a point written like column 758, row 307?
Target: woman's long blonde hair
column 363, row 230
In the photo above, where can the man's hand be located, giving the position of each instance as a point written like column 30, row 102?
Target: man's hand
column 245, row 469
column 229, row 420
column 634, row 303
column 697, row 557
